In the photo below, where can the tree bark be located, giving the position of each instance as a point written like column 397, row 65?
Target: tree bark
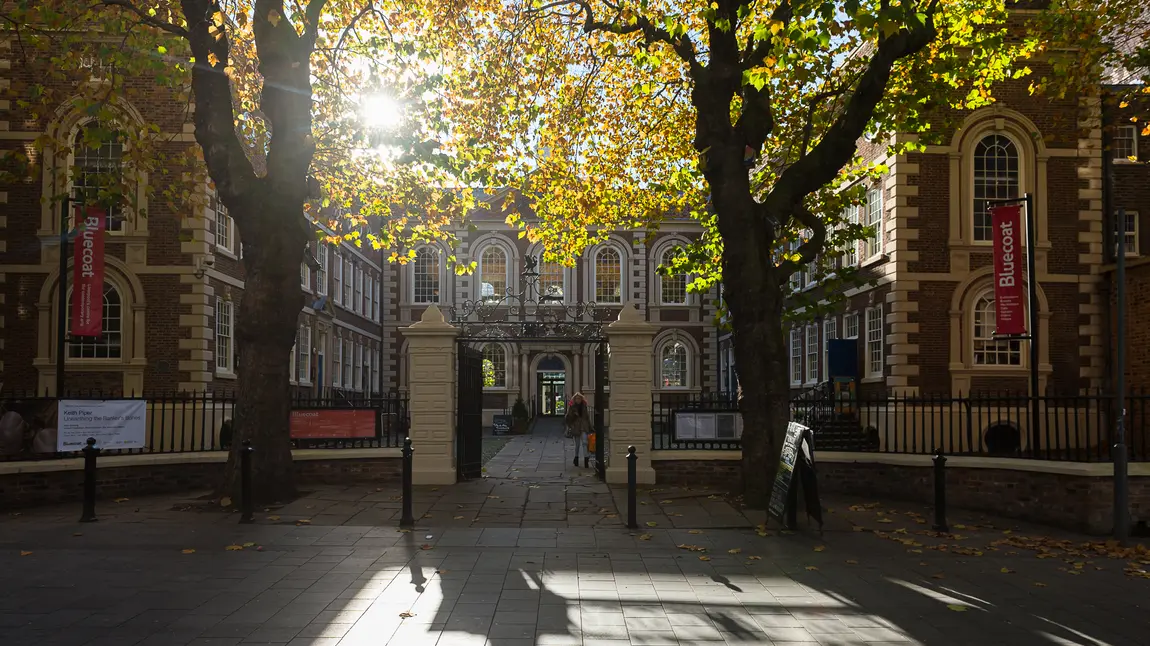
column 265, row 332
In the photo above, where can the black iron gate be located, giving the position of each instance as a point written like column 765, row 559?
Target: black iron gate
column 469, row 422
column 601, row 450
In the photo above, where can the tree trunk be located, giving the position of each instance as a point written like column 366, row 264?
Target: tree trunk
column 266, row 327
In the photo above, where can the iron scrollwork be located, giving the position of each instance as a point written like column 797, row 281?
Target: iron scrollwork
column 529, row 314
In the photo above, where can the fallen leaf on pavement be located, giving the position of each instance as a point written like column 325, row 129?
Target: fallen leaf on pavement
column 644, row 537
column 425, row 546
column 885, row 520
column 121, row 500
column 695, row 531
column 407, row 614
column 1006, row 570
column 1038, row 584
column 303, row 521
column 859, row 528
column 820, row 548
column 666, row 502
column 704, row 558
column 494, row 497
column 234, row 548
column 812, row 568
column 652, row 523
column 273, row 517
column 188, row 551
column 442, row 571
column 852, row 562
column 956, row 607
column 959, row 526
column 403, row 531
column 249, row 544
column 458, row 518
column 692, row 548
column 755, row 558
column 23, row 553
column 734, row 551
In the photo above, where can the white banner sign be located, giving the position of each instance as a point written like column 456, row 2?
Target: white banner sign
column 115, row 423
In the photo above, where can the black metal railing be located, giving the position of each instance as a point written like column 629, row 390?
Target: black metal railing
column 1068, row 427
column 192, row 422
column 675, row 421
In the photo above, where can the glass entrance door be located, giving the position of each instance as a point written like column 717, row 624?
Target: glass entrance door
column 552, row 393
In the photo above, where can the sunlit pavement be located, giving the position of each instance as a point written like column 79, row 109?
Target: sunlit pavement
column 146, row 574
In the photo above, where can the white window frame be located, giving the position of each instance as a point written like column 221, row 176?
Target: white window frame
column 830, row 331
column 851, row 258
column 875, row 341
column 796, row 364
column 303, row 375
column 321, row 257
column 1019, row 179
column 115, row 222
column 594, row 285
column 376, row 287
column 872, row 245
column 321, row 358
column 305, row 275
column 437, row 273
column 291, row 360
column 348, row 365
column 115, row 348
column 687, row 364
column 506, row 377
column 481, row 268
column 337, row 364
column 357, row 293
column 225, row 329
column 223, row 228
column 540, row 286
column 685, row 278
column 1133, row 138
column 987, row 343
column 348, row 283
column 375, row 370
column 851, row 320
column 357, row 369
column 337, row 277
column 1129, row 234
column 812, row 367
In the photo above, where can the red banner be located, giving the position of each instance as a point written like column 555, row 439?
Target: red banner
column 88, row 274
column 317, row 424
column 1009, row 294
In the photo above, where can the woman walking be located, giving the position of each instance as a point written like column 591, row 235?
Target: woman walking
column 578, row 420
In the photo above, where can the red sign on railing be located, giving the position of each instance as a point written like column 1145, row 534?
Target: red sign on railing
column 88, row 274
column 328, row 424
column 1008, row 288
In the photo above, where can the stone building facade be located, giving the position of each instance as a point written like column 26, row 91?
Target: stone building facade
column 925, row 319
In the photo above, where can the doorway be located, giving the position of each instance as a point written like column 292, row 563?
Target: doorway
column 552, row 392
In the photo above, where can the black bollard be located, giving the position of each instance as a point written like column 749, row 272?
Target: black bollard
column 406, row 521
column 632, row 507
column 246, row 507
column 940, row 492
column 90, row 453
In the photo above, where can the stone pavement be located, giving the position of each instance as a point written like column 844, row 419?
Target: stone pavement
column 163, row 577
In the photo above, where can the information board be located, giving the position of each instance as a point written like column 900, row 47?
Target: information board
column 501, row 425
column 114, row 423
column 333, row 424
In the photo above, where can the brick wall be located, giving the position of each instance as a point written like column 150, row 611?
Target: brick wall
column 30, row 489
column 723, row 474
column 1078, row 503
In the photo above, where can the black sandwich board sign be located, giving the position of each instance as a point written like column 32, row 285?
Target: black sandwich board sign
column 796, row 466
column 501, row 425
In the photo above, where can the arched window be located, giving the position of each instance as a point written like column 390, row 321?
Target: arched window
column 996, row 176
column 673, row 365
column 97, row 157
column 494, row 366
column 987, row 350
column 425, row 276
column 674, row 287
column 493, row 273
column 608, row 276
column 108, row 344
column 550, row 281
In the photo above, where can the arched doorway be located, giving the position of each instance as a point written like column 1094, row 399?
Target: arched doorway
column 551, row 386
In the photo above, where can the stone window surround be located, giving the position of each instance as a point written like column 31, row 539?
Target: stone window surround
column 625, row 262
column 512, row 269
column 661, row 248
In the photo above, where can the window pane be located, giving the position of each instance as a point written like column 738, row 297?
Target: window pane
column 989, row 351
column 812, row 353
column 874, row 341
column 550, row 281
column 493, row 273
column 674, row 365
column 674, row 286
column 97, row 155
column 494, row 366
column 996, row 177
column 608, row 276
column 223, row 335
column 425, row 273
column 107, row 345
column 796, row 357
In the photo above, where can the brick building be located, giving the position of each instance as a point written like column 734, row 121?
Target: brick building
column 924, row 320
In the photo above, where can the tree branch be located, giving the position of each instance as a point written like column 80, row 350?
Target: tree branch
column 838, row 145
column 215, row 128
column 145, row 18
column 758, row 53
column 811, row 248
column 311, row 21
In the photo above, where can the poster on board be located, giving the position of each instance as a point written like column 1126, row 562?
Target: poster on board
column 115, row 423
column 333, row 424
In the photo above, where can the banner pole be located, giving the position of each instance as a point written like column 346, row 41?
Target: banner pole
column 1032, row 289
column 62, row 299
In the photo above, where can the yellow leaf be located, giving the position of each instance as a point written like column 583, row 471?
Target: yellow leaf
column 959, row 526
column 1039, row 585
column 821, row 548
column 274, row 18
column 188, row 551
column 734, row 551
column 811, row 568
column 852, row 562
column 407, row 614
column 234, row 548
column 1006, row 570
column 885, row 520
column 956, row 607
column 225, row 502
column 23, row 553
column 665, row 502
column 652, row 523
column 304, row 521
column 704, row 558
column 755, row 558
column 120, row 500
column 162, row 49
column 458, row 518
column 644, row 537
column 249, row 544
column 695, row 531
column 273, row 518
